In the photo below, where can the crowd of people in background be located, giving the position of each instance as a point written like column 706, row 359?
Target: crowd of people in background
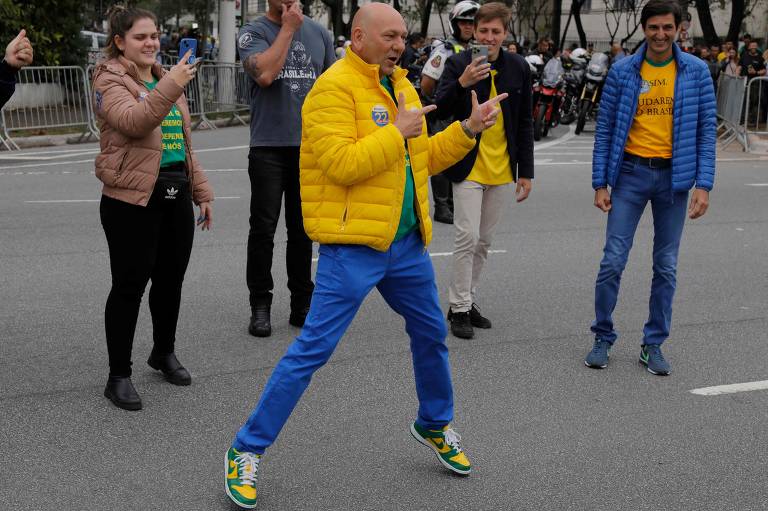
column 746, row 57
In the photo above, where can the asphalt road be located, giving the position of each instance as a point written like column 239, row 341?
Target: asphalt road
column 543, row 431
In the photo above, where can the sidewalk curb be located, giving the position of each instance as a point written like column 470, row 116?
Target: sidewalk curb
column 70, row 139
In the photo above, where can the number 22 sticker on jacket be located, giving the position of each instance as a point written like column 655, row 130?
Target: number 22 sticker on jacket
column 380, row 115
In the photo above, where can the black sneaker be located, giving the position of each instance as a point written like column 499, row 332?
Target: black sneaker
column 298, row 317
column 461, row 325
column 443, row 214
column 477, row 319
column 260, row 324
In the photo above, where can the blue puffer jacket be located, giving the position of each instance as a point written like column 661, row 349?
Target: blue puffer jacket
column 694, row 124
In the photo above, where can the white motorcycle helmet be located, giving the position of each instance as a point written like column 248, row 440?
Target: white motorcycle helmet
column 464, row 10
column 535, row 62
column 580, row 54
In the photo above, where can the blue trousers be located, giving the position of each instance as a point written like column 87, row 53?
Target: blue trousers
column 636, row 185
column 345, row 275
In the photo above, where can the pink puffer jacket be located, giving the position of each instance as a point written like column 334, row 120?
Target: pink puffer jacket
column 129, row 118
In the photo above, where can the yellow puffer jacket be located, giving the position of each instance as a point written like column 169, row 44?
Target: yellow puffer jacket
column 353, row 157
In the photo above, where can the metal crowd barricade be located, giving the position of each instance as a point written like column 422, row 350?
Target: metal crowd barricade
column 89, row 91
column 225, row 90
column 48, row 98
column 756, row 109
column 194, row 93
column 730, row 102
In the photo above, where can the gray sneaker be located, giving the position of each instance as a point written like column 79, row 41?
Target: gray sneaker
column 598, row 357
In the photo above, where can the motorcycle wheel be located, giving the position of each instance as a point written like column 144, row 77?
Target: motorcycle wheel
column 545, row 125
column 586, row 106
column 538, row 122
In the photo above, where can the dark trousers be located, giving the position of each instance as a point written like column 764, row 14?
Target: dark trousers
column 152, row 242
column 442, row 191
column 274, row 172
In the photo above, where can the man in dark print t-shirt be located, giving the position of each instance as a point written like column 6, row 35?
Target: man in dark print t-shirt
column 283, row 53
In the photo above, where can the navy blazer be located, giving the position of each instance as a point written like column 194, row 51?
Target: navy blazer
column 513, row 77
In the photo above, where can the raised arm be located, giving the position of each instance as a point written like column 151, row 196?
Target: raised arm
column 264, row 62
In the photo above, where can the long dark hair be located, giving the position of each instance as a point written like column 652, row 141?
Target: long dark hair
column 121, row 19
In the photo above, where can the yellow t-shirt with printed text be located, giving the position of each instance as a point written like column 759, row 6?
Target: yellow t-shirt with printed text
column 651, row 132
column 492, row 165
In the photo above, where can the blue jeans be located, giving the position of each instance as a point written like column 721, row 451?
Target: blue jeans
column 345, row 275
column 635, row 186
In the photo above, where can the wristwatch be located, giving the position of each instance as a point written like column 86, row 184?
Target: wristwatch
column 467, row 130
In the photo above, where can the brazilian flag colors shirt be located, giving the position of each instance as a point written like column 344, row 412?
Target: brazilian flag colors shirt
column 174, row 150
column 408, row 220
column 651, row 132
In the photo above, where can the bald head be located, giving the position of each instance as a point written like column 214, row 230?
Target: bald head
column 374, row 11
column 378, row 35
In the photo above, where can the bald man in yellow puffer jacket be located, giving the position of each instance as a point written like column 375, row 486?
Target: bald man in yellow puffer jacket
column 365, row 159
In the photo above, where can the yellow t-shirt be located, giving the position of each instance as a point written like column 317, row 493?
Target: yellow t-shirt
column 651, row 132
column 492, row 165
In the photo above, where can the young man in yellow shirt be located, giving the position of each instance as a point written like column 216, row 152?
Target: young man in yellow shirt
column 502, row 155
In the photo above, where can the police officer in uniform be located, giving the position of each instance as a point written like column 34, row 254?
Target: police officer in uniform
column 462, row 19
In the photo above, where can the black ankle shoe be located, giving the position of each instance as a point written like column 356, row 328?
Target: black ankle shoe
column 461, row 326
column 260, row 325
column 298, row 316
column 172, row 369
column 443, row 214
column 477, row 319
column 121, row 392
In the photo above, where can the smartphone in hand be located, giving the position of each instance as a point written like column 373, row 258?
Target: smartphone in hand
column 479, row 50
column 186, row 44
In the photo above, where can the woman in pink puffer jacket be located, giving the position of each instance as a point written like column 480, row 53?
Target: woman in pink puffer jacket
column 151, row 177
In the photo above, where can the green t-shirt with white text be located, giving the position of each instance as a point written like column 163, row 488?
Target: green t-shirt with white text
column 174, row 150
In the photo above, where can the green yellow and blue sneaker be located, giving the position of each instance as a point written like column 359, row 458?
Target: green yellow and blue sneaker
column 242, row 471
column 447, row 445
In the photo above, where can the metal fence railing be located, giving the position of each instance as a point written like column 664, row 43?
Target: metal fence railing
column 194, row 93
column 224, row 90
column 48, row 98
column 51, row 98
column 756, row 109
column 730, row 105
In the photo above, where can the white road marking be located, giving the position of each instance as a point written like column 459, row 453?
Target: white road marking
column 564, row 163
column 60, row 201
column 43, row 158
column 212, row 149
column 447, row 254
column 757, row 184
column 731, row 389
column 77, row 201
column 50, row 164
column 443, row 254
column 571, row 133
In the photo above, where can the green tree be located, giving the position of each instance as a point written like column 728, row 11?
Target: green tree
column 53, row 27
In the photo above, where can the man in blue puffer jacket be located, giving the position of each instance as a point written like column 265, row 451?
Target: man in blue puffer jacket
column 655, row 140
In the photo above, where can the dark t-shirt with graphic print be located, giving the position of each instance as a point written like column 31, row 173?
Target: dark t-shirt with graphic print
column 276, row 110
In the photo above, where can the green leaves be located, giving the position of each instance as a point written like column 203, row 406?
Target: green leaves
column 53, row 26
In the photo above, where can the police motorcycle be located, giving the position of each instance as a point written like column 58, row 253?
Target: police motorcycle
column 575, row 66
column 594, row 79
column 536, row 64
column 546, row 110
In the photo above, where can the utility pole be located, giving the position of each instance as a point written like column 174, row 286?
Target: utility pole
column 227, row 30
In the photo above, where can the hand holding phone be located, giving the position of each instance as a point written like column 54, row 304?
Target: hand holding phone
column 187, row 44
column 183, row 72
column 478, row 69
column 479, row 50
